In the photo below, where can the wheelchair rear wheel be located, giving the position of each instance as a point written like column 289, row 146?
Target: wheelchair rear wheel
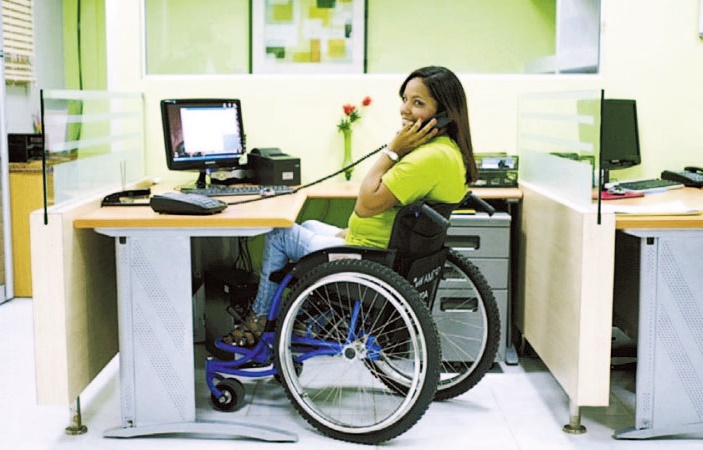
column 466, row 315
column 467, row 319
column 338, row 318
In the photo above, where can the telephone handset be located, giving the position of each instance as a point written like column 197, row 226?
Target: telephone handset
column 690, row 176
column 442, row 120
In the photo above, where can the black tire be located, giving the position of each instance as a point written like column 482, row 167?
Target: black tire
column 468, row 321
column 365, row 311
column 232, row 398
column 466, row 315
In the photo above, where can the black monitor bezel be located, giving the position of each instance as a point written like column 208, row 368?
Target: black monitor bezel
column 227, row 161
column 612, row 160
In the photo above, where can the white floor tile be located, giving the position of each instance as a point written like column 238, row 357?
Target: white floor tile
column 522, row 408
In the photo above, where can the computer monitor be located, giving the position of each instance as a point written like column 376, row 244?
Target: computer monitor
column 202, row 134
column 619, row 136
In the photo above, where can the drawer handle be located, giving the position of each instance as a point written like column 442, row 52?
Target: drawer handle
column 468, row 243
column 469, row 304
column 464, row 249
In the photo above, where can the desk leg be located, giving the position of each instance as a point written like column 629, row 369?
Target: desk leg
column 669, row 386
column 156, row 342
column 574, row 426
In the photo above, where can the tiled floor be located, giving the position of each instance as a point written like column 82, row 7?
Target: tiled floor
column 515, row 408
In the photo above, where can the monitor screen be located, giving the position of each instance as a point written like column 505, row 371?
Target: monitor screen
column 619, row 144
column 202, row 134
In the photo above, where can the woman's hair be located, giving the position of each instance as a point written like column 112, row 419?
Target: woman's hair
column 447, row 90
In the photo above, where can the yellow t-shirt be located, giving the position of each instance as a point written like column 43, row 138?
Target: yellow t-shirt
column 434, row 172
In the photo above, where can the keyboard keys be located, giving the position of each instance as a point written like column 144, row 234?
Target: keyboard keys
column 648, row 185
column 222, row 191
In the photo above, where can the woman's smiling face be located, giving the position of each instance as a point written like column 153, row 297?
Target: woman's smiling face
column 418, row 103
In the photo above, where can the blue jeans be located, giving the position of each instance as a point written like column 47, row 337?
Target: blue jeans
column 290, row 244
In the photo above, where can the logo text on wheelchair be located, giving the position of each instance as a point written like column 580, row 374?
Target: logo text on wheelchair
column 425, row 279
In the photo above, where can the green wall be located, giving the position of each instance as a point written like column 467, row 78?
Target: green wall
column 471, row 36
column 197, row 37
column 85, row 59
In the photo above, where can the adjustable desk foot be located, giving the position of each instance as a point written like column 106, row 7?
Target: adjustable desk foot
column 76, row 427
column 511, row 357
column 213, row 428
column 574, row 426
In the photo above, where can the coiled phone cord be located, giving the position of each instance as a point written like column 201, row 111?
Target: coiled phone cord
column 318, row 181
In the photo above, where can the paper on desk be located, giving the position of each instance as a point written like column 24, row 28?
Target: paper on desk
column 675, row 208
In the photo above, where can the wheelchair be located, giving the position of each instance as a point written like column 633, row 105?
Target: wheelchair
column 363, row 340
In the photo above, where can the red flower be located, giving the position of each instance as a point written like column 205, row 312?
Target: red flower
column 349, row 109
column 351, row 114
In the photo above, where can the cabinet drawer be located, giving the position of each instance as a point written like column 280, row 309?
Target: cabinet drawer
column 455, row 323
column 480, row 242
column 495, row 270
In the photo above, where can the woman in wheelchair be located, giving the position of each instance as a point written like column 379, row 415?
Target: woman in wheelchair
column 421, row 162
column 364, row 327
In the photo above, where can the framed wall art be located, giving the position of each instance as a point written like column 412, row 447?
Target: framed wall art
column 308, row 36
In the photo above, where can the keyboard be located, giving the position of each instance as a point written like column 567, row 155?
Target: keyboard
column 644, row 186
column 222, row 190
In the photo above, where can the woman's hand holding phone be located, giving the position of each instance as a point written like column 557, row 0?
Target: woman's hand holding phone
column 413, row 135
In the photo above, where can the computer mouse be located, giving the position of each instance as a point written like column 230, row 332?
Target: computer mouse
column 616, row 191
column 267, row 192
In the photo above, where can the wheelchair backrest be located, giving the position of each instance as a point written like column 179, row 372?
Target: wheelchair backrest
column 418, row 236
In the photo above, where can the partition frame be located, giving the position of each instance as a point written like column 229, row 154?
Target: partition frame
column 566, row 256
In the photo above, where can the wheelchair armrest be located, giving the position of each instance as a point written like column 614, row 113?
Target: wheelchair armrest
column 473, row 200
column 380, row 255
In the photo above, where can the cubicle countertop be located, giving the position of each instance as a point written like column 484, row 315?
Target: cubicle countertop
column 351, row 189
column 270, row 212
column 691, row 197
column 37, row 166
column 277, row 212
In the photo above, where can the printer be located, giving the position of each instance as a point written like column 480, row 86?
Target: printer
column 25, row 147
column 270, row 166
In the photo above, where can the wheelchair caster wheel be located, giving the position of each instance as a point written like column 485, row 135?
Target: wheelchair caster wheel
column 232, row 397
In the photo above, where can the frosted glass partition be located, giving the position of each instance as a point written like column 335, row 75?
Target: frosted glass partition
column 558, row 143
column 93, row 142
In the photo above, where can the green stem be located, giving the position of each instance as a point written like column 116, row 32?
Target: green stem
column 347, row 153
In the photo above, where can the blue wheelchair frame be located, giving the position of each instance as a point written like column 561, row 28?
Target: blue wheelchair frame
column 252, row 362
column 417, row 254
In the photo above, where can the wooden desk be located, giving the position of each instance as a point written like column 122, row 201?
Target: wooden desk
column 26, row 195
column 351, row 190
column 658, row 301
column 75, row 281
column 154, row 293
column 691, row 197
column 269, row 213
column 566, row 270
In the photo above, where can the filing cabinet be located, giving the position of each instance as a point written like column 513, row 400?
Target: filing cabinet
column 485, row 241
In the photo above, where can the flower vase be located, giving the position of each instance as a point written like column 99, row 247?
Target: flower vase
column 347, row 153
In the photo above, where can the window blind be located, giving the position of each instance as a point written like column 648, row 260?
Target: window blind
column 18, row 40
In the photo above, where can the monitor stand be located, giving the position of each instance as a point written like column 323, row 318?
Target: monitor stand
column 206, row 180
column 604, row 178
column 202, row 180
column 199, row 184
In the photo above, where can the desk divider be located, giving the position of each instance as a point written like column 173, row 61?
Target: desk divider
column 558, row 143
column 565, row 258
column 93, row 141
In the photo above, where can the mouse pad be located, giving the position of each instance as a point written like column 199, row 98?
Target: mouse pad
column 607, row 196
